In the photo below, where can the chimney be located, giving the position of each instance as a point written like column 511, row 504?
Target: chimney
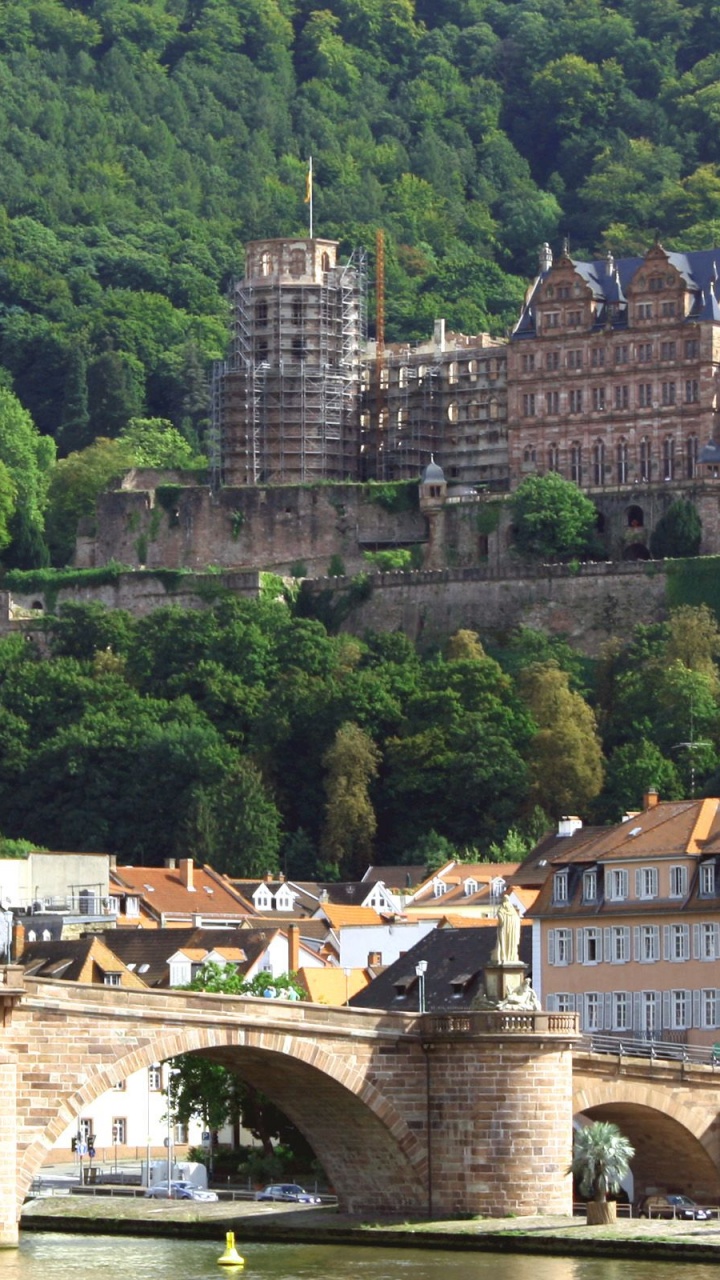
column 568, row 826
column 268, row 877
column 374, row 959
column 293, row 948
column 170, row 864
column 651, row 798
column 186, row 874
column 545, row 258
column 439, row 335
column 18, row 941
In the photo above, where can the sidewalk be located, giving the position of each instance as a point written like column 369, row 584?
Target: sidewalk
column 632, row 1238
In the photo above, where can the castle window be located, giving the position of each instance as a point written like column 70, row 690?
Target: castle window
column 644, row 352
column 669, row 458
column 297, row 311
column 644, row 393
column 598, row 462
column 692, row 348
column 529, row 458
column 575, row 401
column 655, row 284
column 597, row 357
column 692, row 391
column 574, row 358
column 691, row 456
column 552, row 402
column 552, row 319
column 635, row 518
column 598, row 398
column 453, row 413
column 644, row 310
column 622, row 354
column 667, row 350
column 574, row 319
column 265, row 264
column 552, row 360
column 493, row 408
column 576, row 462
column 645, row 459
column 453, row 372
column 553, row 458
column 668, row 309
column 621, row 457
column 402, row 376
column 261, row 315
column 622, row 397
column 668, row 393
column 529, row 406
column 325, row 262
column 528, row 363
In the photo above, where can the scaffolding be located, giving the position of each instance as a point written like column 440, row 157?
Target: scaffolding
column 286, row 405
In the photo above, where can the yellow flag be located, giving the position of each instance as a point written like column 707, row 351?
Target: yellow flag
column 308, row 183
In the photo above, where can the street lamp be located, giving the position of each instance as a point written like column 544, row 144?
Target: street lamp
column 420, row 968
column 172, row 1071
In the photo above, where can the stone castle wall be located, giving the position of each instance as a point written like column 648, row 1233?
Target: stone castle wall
column 588, row 607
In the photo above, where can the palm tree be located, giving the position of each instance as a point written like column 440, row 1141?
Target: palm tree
column 601, row 1159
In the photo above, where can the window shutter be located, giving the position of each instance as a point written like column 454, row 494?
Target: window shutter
column 685, row 941
column 697, row 954
column 666, row 942
column 551, row 1003
column 636, row 1020
column 569, row 946
column 717, row 941
column 607, row 943
column 637, row 944
column 599, row 945
column 580, row 946
column 638, row 882
column 697, row 1008
column 626, row 942
column 666, row 1011
column 551, row 946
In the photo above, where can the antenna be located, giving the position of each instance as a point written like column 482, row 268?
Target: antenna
column 694, row 744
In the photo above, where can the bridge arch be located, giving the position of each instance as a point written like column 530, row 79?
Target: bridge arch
column 676, row 1143
column 364, row 1143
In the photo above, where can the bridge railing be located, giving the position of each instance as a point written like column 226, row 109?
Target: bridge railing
column 501, row 1022
column 627, row 1047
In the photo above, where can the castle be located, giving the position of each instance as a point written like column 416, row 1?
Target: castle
column 610, row 377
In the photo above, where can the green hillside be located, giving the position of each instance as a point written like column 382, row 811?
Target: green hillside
column 143, row 141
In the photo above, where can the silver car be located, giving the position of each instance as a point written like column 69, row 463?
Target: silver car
column 179, row 1190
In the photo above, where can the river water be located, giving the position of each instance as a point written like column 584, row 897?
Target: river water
column 62, row 1257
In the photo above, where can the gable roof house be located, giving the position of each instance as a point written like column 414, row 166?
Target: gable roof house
column 177, row 894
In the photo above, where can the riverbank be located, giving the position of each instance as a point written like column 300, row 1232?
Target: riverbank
column 631, row 1238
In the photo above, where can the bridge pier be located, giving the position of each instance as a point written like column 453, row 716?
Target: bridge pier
column 8, row 1152
column 499, row 1089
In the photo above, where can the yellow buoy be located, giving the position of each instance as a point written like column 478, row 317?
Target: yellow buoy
column 231, row 1257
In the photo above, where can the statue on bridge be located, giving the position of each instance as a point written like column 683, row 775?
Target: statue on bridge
column 508, row 933
column 524, row 998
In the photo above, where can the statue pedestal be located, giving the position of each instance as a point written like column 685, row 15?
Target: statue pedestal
column 501, row 980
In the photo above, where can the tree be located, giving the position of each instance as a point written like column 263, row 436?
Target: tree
column 351, row 764
column 601, row 1159
column 677, row 533
column 75, row 486
column 565, row 754
column 27, row 458
column 552, row 518
column 155, row 442
column 694, row 638
column 631, row 771
column 235, row 824
column 74, row 428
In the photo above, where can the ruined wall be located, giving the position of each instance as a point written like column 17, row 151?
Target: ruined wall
column 277, row 528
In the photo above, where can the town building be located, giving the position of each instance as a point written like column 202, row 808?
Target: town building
column 178, row 894
column 626, row 928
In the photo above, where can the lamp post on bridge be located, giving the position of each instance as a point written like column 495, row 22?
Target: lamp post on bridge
column 420, row 969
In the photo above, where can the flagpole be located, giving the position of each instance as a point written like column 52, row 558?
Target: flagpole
column 310, row 194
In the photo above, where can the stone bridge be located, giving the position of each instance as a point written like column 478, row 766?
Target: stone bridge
column 668, row 1110
column 414, row 1114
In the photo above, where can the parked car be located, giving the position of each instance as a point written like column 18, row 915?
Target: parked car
column 673, row 1206
column 288, row 1191
column 179, row 1190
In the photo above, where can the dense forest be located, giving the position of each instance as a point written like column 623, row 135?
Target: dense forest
column 143, row 141
column 251, row 737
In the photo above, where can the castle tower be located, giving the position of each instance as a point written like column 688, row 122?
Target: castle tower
column 285, row 402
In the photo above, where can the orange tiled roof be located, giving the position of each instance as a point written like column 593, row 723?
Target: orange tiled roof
column 164, row 890
column 339, row 916
column 331, row 986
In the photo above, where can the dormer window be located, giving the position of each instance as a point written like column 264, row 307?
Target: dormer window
column 284, row 899
column 560, row 887
column 470, row 886
column 707, row 879
column 589, row 886
column 439, row 888
column 497, row 888
column 263, row 898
